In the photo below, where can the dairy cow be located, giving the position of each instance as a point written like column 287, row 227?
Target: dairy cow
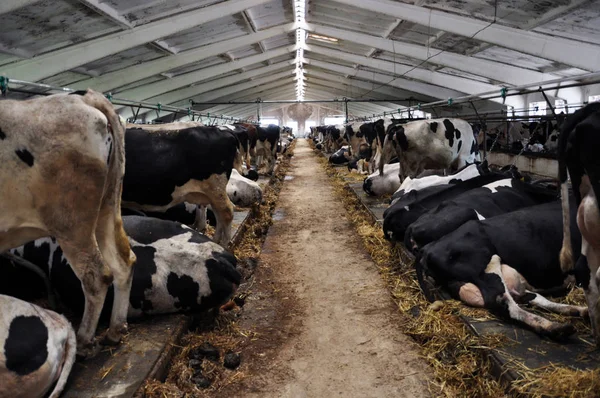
column 266, row 146
column 417, row 184
column 386, row 184
column 37, row 350
column 578, row 158
column 178, row 270
column 409, row 207
column 61, row 166
column 168, row 166
column 366, row 140
column 496, row 262
column 429, row 144
column 488, row 201
column 341, row 156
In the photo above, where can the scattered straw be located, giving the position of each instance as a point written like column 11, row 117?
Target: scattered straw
column 223, row 331
column 458, row 357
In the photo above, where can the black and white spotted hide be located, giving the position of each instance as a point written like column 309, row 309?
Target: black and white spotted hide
column 178, row 269
column 37, row 350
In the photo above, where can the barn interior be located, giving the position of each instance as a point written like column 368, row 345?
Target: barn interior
column 308, row 63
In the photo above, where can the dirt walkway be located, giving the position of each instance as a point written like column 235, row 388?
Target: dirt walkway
column 337, row 330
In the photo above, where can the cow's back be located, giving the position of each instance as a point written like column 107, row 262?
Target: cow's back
column 158, row 162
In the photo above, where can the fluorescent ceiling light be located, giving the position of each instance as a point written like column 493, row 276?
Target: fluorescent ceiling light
column 325, row 39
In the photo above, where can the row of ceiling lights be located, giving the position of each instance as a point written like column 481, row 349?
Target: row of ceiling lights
column 300, row 19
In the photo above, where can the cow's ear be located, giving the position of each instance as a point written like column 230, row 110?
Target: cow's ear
column 433, row 126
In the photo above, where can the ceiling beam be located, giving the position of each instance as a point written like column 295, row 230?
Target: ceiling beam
column 184, row 80
column 481, row 67
column 7, row 6
column 55, row 62
column 366, row 86
column 425, row 75
column 123, row 77
column 386, row 80
column 570, row 52
column 189, row 92
column 271, row 81
column 330, row 89
column 343, row 91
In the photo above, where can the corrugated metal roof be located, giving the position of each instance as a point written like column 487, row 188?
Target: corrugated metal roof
column 45, row 26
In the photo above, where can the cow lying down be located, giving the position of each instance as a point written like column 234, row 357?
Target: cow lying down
column 341, row 156
column 37, row 350
column 383, row 184
column 488, row 201
column 506, row 259
column 178, row 269
column 407, row 208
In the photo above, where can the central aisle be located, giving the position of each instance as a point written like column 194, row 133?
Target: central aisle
column 347, row 341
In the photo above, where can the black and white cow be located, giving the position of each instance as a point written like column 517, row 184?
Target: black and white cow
column 430, row 144
column 513, row 256
column 366, row 140
column 341, row 156
column 419, row 183
column 491, row 200
column 178, row 270
column 168, row 166
column 266, row 146
column 578, row 147
column 37, row 349
column 409, row 207
column 383, row 184
column 61, row 166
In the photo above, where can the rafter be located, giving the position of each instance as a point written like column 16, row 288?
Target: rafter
column 123, row 77
column 7, row 6
column 366, row 86
column 386, row 80
column 274, row 80
column 443, row 80
column 569, row 52
column 164, row 86
column 489, row 69
column 50, row 64
column 188, row 92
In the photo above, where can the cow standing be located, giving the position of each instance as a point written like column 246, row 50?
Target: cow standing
column 578, row 145
column 430, row 144
column 266, row 146
column 169, row 165
column 62, row 162
column 37, row 350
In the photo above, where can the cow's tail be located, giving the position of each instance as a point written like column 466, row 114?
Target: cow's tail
column 70, row 354
column 238, row 161
column 117, row 130
column 387, row 150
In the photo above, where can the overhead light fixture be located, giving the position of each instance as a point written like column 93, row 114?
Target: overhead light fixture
column 300, row 19
column 325, row 39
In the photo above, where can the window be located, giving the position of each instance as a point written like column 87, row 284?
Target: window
column 293, row 125
column 560, row 106
column 537, row 108
column 594, row 98
column 266, row 122
column 307, row 126
column 334, row 120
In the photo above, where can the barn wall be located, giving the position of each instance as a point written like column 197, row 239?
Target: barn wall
column 543, row 167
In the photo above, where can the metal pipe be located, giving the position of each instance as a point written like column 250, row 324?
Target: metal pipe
column 296, row 102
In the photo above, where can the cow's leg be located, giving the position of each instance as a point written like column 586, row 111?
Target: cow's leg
column 223, row 210
column 200, row 221
column 539, row 324
column 117, row 253
column 520, row 289
column 86, row 261
column 588, row 220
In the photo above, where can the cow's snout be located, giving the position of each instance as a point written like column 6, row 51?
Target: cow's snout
column 367, row 185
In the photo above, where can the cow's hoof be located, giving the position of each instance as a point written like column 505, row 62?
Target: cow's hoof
column 114, row 336
column 86, row 351
column 560, row 331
